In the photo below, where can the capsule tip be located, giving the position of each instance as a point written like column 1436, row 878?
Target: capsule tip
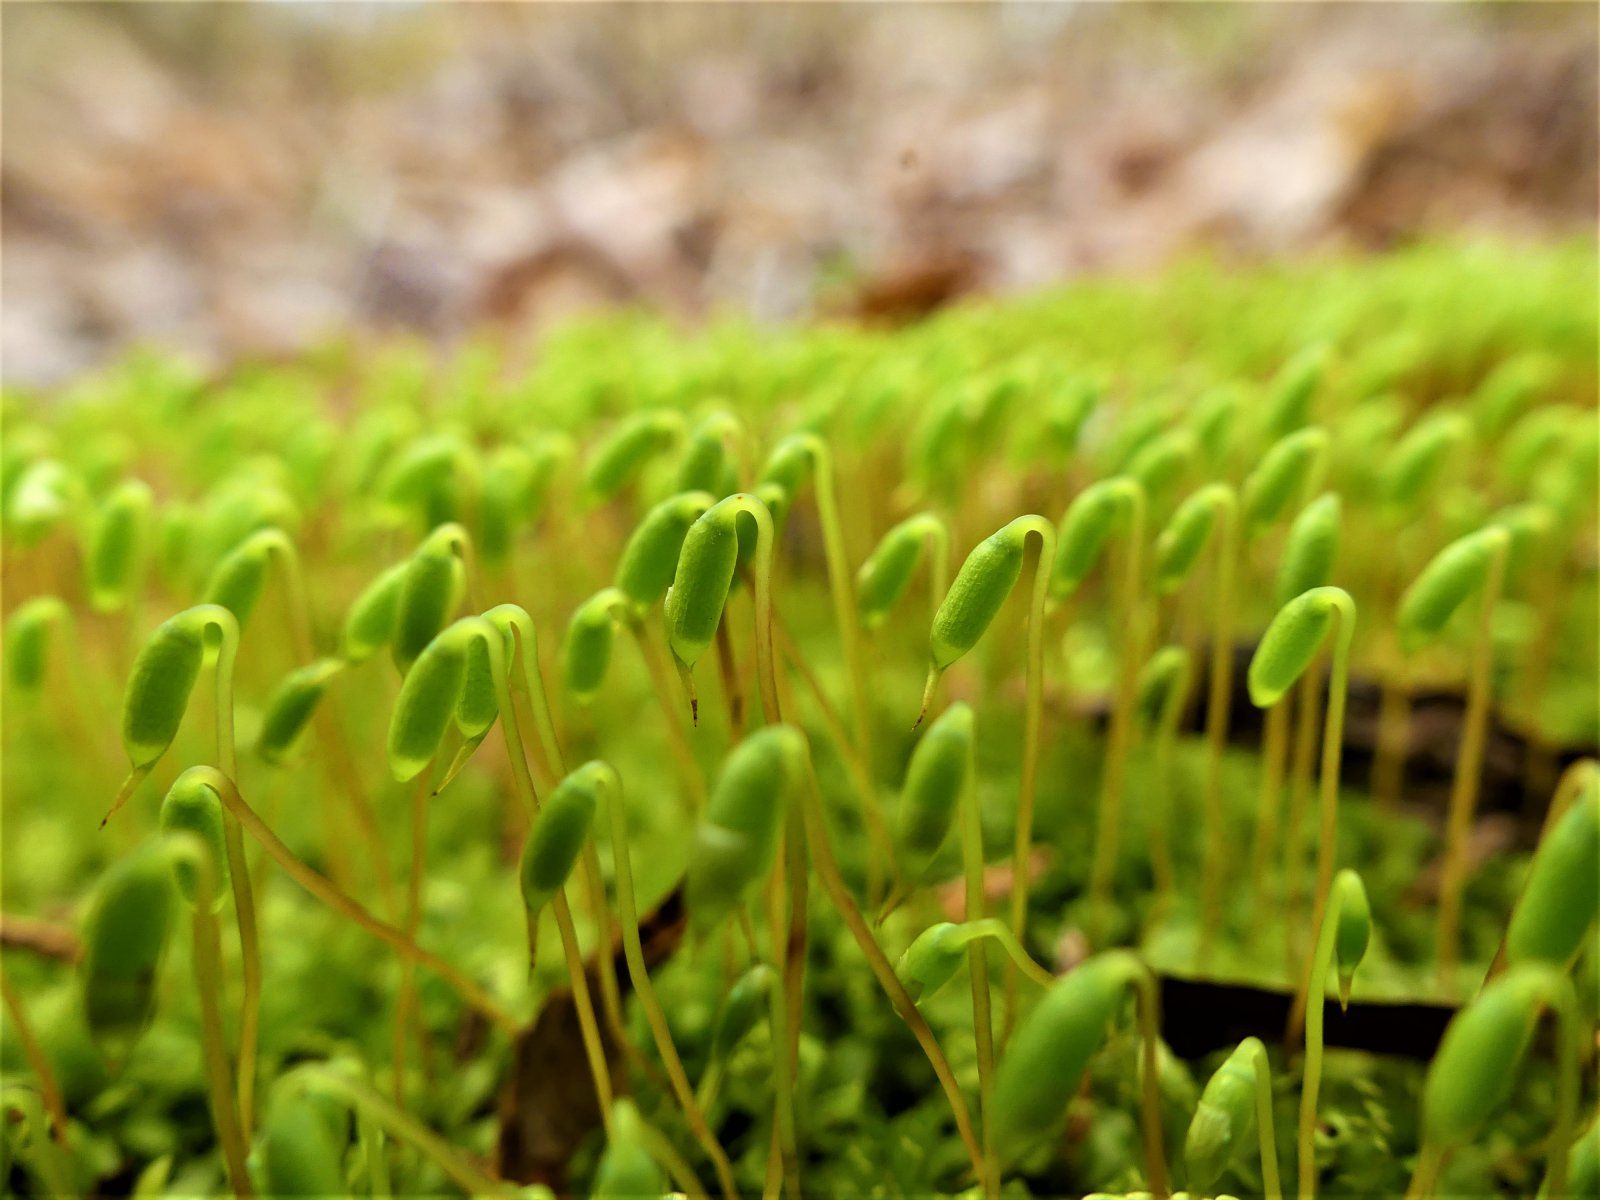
column 125, row 792
column 927, row 697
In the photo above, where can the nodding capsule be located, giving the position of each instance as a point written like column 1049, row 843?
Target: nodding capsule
column 119, row 544
column 1163, row 687
column 938, row 775
column 650, row 559
column 1476, row 1063
column 626, row 1170
column 1292, row 641
column 192, row 807
column 427, row 701
column 28, row 631
column 631, row 445
column 980, row 589
column 886, row 574
column 1051, row 1048
column 1179, row 545
column 369, row 624
column 164, row 674
column 291, row 706
column 706, row 465
column 932, row 959
column 1292, row 466
column 1352, row 931
column 1224, row 1118
column 704, row 574
column 1309, row 550
column 430, row 590
column 239, row 578
column 301, row 1151
column 744, row 1008
column 1561, row 898
column 586, row 649
column 1445, row 584
column 737, row 837
column 557, row 838
column 124, row 939
column 1095, row 513
column 1293, row 390
column 1418, row 458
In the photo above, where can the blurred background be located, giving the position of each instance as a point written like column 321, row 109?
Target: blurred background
column 246, row 178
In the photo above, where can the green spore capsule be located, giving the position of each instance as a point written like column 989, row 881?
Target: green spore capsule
column 298, row 1153
column 1292, row 466
column 886, row 574
column 650, row 559
column 1528, row 525
column 586, row 650
column 1097, row 512
column 44, row 495
column 704, row 574
column 239, row 578
column 1413, row 466
column 1160, row 463
column 28, row 634
column 980, row 589
column 1051, row 1048
column 291, row 706
column 504, row 502
column 557, row 837
column 369, row 624
column 192, row 807
column 1224, row 1118
column 123, row 941
column 1163, row 687
column 1561, row 898
column 1179, row 545
column 1508, row 389
column 932, row 959
column 1446, row 583
column 175, row 544
column 427, row 701
column 1351, row 932
column 1309, row 550
column 477, row 707
column 1294, row 390
column 1215, row 415
column 737, row 838
column 1533, row 442
column 939, row 774
column 1293, row 639
column 624, row 454
column 705, row 466
column 119, row 544
column 428, row 477
column 626, row 1170
column 164, row 674
column 430, row 590
column 745, row 1007
column 1472, row 1072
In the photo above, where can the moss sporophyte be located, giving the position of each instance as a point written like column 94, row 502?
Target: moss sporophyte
column 398, row 582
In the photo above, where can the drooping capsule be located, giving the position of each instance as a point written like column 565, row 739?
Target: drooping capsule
column 557, row 838
column 192, row 807
column 649, row 560
column 124, row 939
column 939, row 774
column 737, row 837
column 1445, row 584
column 291, row 706
column 119, row 545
